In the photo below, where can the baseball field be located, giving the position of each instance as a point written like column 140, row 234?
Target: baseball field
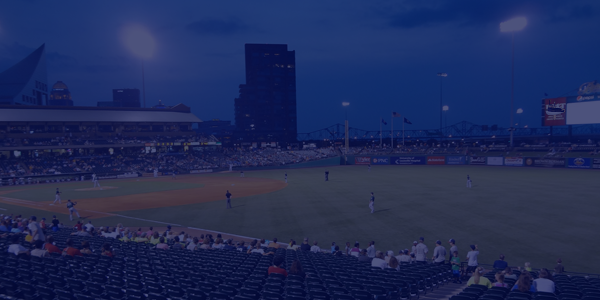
column 528, row 214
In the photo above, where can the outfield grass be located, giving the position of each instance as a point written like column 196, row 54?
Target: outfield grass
column 72, row 190
column 528, row 214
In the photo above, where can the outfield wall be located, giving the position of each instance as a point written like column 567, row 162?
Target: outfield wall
column 515, row 161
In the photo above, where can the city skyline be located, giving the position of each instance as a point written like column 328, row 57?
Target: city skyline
column 380, row 57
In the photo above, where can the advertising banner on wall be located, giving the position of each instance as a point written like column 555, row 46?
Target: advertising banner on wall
column 408, row 160
column 456, row 160
column 436, row 160
column 362, row 160
column 380, row 160
column 545, row 162
column 554, row 111
column 478, row 160
column 495, row 161
column 513, row 161
column 579, row 163
column 596, row 163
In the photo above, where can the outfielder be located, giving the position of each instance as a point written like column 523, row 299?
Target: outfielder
column 369, row 167
column 241, row 173
column 372, row 203
column 57, row 197
column 228, row 195
column 95, row 180
column 155, row 172
column 285, row 177
column 468, row 181
column 71, row 207
column 174, row 175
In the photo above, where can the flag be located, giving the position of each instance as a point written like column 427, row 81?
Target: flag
column 396, row 115
column 383, row 121
column 407, row 121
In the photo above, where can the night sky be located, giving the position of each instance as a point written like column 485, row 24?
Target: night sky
column 381, row 56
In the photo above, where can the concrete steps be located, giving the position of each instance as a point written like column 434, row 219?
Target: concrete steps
column 444, row 292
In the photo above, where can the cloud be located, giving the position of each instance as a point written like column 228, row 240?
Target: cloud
column 217, row 27
column 481, row 13
column 60, row 62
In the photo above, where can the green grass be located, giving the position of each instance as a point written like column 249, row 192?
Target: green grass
column 46, row 192
column 529, row 214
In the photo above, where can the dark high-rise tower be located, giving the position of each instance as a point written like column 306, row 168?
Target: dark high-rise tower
column 266, row 108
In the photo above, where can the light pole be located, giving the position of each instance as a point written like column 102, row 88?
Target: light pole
column 142, row 44
column 445, row 110
column 441, row 75
column 347, row 144
column 512, row 25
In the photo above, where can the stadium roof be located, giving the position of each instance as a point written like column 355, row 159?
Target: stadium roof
column 14, row 79
column 177, row 114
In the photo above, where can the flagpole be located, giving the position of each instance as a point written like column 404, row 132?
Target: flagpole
column 392, row 143
column 381, row 133
column 403, row 131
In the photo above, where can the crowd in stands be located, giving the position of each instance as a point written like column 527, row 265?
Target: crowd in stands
column 408, row 272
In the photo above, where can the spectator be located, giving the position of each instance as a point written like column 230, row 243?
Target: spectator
column 388, row 255
column 305, row 246
column 70, row 250
column 371, row 250
column 292, row 245
column 206, row 243
column 363, row 256
column 39, row 249
column 141, row 239
column 55, row 223
column 356, row 249
column 528, row 267
column 107, row 250
column 88, row 226
column 472, row 259
column 439, row 253
column 455, row 262
column 544, row 282
column 78, row 225
column 229, row 245
column 273, row 244
column 3, row 226
column 508, row 273
column 15, row 228
column 178, row 245
column 242, row 246
column 347, row 248
column 478, row 279
column 500, row 280
column 500, row 264
column 315, row 248
column 378, row 261
column 414, row 247
column 49, row 245
column 393, row 263
column 559, row 267
column 524, row 284
column 296, row 269
column 219, row 243
column 161, row 244
column 452, row 247
column 16, row 248
column 333, row 247
column 337, row 252
column 150, row 231
column 276, row 267
column 111, row 233
column 256, row 248
column 43, row 223
column 421, row 251
column 192, row 245
column 85, row 248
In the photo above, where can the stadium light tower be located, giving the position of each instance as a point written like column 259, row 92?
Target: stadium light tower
column 519, row 112
column 441, row 75
column 445, row 109
column 512, row 25
column 347, row 142
column 142, row 44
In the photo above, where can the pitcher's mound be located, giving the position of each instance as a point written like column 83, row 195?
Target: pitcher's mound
column 97, row 188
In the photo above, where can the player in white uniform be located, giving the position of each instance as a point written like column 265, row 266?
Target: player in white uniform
column 95, row 180
column 174, row 175
column 468, row 181
column 230, row 167
column 241, row 173
column 372, row 203
column 57, row 197
column 155, row 172
column 71, row 207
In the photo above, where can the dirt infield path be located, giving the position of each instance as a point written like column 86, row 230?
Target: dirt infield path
column 214, row 189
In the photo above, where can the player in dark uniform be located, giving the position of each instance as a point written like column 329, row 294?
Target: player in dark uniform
column 327, row 175
column 285, row 177
column 228, row 195
column 369, row 167
column 57, row 197
column 468, row 181
column 372, row 203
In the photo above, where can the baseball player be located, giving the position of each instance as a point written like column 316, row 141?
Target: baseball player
column 155, row 172
column 372, row 203
column 228, row 195
column 369, row 167
column 71, row 207
column 230, row 167
column 468, row 181
column 285, row 177
column 95, row 180
column 241, row 173
column 57, row 197
column 327, row 175
column 174, row 175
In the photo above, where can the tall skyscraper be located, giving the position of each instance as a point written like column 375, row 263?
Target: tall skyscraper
column 266, row 107
column 60, row 95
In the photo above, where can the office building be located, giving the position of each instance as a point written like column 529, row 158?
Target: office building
column 26, row 83
column 60, row 95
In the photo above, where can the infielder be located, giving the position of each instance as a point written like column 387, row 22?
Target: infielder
column 241, row 173
column 369, row 167
column 95, row 180
column 71, row 207
column 57, row 197
column 468, row 181
column 174, row 175
column 228, row 195
column 155, row 173
column 326, row 175
column 285, row 177
column 372, row 203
